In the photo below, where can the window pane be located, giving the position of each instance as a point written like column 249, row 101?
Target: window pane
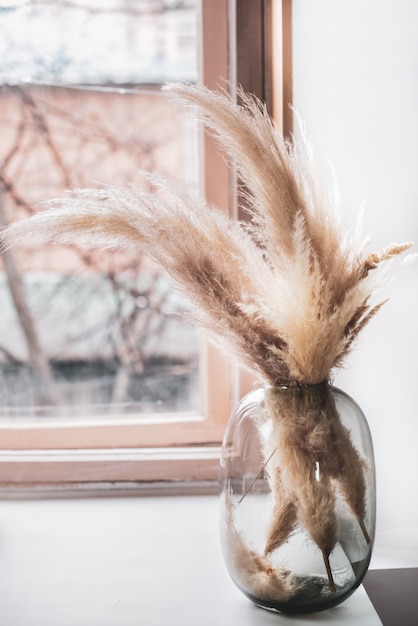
column 92, row 334
column 98, row 41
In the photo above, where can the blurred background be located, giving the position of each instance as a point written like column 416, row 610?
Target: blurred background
column 81, row 106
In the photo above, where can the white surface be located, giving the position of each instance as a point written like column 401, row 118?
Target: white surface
column 146, row 561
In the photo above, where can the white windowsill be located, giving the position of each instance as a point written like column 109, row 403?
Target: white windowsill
column 131, row 561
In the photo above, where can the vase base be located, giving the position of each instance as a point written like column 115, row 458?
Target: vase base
column 314, row 596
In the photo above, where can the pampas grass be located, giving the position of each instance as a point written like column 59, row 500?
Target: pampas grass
column 286, row 294
column 309, row 434
column 254, row 572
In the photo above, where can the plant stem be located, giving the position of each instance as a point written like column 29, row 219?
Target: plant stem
column 255, row 477
column 364, row 531
column 329, row 573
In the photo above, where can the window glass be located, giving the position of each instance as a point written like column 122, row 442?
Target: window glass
column 85, row 334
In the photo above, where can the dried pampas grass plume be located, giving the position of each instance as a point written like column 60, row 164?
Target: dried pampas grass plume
column 286, row 296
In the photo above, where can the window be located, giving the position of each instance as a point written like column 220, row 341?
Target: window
column 239, row 40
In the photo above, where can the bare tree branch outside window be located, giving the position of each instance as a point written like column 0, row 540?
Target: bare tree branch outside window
column 97, row 330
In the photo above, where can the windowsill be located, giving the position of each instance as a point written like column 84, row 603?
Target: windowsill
column 133, row 560
column 60, row 467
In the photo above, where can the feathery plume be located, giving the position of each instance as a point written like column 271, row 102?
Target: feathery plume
column 289, row 305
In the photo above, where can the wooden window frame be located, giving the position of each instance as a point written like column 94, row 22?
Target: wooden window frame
column 250, row 49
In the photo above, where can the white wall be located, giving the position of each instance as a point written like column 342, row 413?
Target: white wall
column 356, row 87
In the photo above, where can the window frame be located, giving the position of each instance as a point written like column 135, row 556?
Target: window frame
column 250, row 49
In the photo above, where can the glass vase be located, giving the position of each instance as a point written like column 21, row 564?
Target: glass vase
column 297, row 497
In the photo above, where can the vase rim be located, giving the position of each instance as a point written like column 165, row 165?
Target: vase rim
column 298, row 385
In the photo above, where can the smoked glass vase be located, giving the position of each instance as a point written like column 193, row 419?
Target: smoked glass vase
column 297, row 497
